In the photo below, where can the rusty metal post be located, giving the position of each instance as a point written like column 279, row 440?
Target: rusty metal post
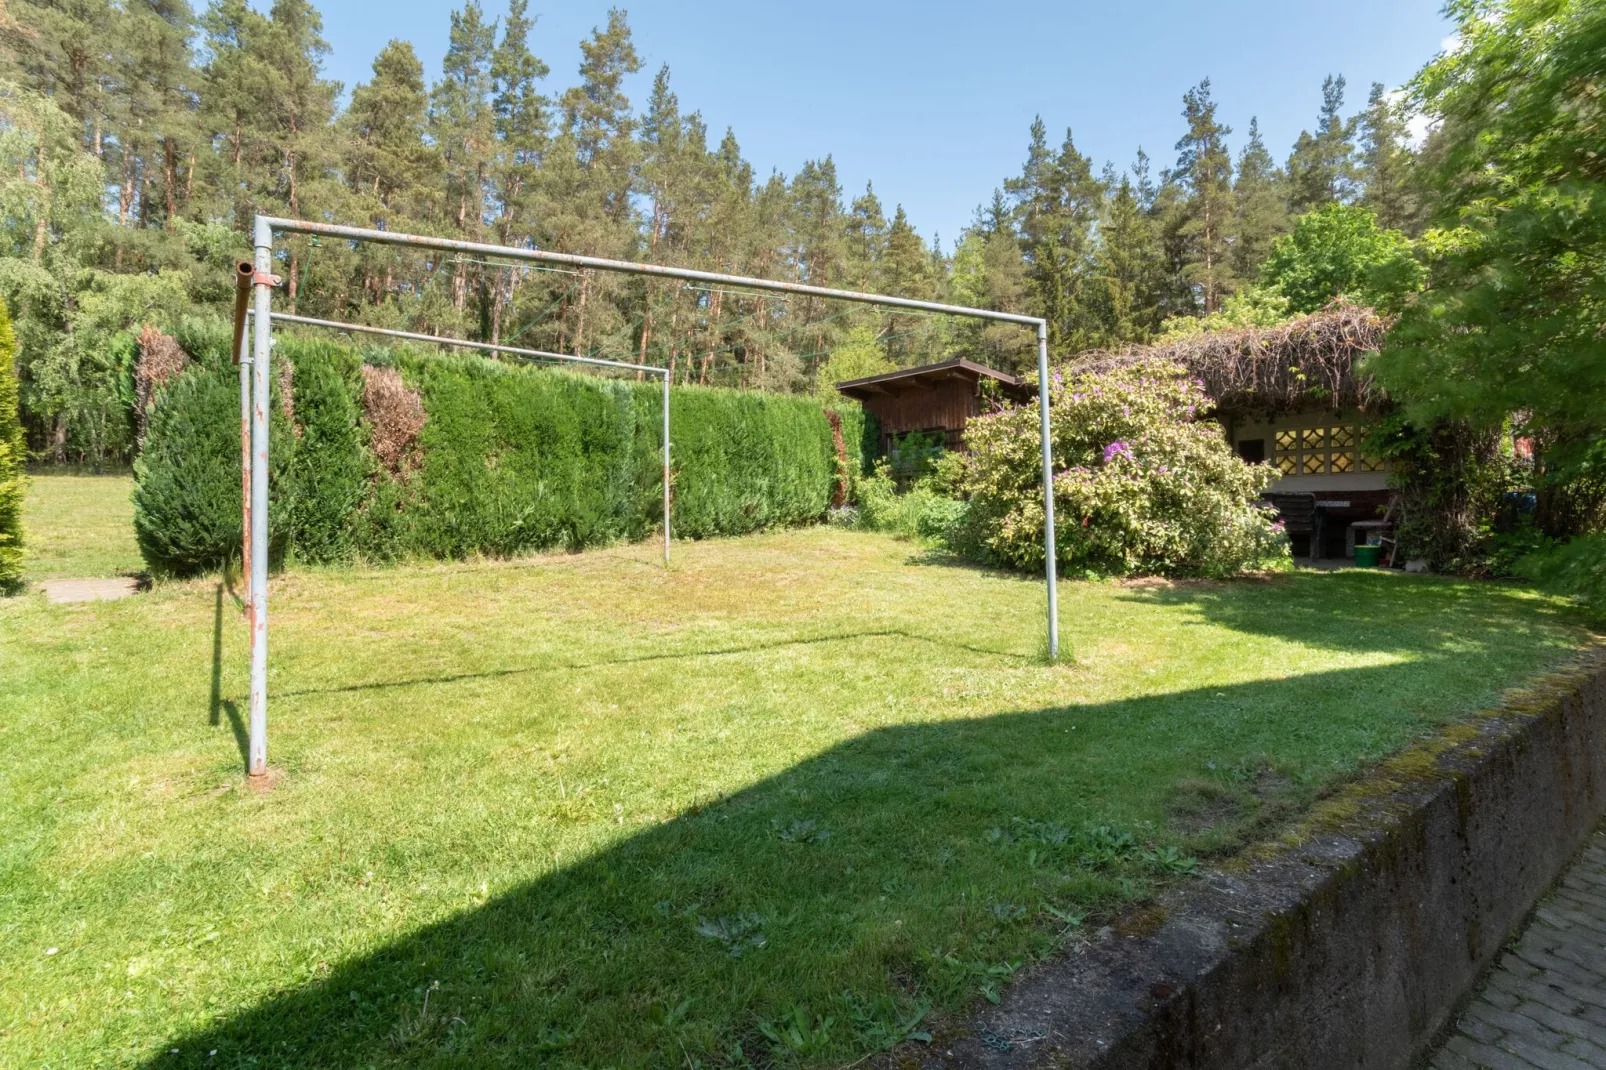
column 243, row 271
column 257, row 750
column 1049, row 562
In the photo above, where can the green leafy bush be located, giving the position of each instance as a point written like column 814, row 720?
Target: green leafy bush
column 1142, row 484
column 11, row 458
column 924, row 511
column 1575, row 569
column 510, row 460
column 1338, row 250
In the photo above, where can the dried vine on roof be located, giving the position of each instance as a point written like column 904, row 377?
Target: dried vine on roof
column 1307, row 361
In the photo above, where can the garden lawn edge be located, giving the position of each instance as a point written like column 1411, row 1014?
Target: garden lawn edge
column 1348, row 943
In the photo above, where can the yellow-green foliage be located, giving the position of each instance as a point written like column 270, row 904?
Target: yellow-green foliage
column 1142, row 483
column 11, row 457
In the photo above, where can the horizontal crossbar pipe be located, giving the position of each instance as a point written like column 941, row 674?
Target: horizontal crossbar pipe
column 337, row 325
column 387, row 237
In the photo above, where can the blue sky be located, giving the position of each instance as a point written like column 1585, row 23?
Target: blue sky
column 932, row 102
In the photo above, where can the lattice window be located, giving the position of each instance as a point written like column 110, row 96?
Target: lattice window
column 1314, row 451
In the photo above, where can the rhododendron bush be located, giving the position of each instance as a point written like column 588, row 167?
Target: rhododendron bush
column 1142, row 483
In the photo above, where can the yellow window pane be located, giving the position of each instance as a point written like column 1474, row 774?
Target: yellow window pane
column 1314, row 439
column 1343, row 436
column 1314, row 464
column 1286, row 464
column 1287, row 440
column 1343, row 461
column 1371, row 464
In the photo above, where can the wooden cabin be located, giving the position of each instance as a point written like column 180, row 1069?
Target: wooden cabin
column 934, row 398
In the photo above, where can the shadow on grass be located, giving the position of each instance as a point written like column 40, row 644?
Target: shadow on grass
column 912, row 866
column 638, row 659
column 219, row 707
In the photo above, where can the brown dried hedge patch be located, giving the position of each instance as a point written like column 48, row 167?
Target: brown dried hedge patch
column 161, row 360
column 395, row 415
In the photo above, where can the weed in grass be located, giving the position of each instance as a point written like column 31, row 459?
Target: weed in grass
column 796, row 1035
column 738, row 934
column 881, row 1024
column 799, row 831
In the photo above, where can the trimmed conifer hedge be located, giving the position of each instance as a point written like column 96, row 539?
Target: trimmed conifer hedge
column 509, row 460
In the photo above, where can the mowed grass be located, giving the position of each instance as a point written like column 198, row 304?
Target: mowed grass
column 788, row 801
column 79, row 527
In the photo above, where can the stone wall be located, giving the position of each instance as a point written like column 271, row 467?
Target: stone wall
column 1350, row 949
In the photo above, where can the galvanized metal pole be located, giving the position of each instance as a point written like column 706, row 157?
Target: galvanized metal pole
column 1049, row 563
column 257, row 749
column 666, row 467
column 243, row 274
column 631, row 267
column 245, row 471
column 460, row 343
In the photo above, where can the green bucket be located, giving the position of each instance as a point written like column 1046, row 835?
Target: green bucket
column 1368, row 556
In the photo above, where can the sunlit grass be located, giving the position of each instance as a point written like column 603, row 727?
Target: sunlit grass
column 603, row 814
column 79, row 527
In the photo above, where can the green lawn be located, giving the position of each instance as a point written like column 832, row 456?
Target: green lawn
column 784, row 797
column 79, row 527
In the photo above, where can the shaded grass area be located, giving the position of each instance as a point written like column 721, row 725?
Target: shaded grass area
column 79, row 527
column 786, row 802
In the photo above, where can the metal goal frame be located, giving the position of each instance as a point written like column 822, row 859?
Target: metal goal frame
column 257, row 280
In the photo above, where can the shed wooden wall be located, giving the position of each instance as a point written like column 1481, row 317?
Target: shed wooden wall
column 945, row 407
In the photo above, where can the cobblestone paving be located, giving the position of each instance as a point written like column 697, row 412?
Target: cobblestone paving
column 1544, row 1005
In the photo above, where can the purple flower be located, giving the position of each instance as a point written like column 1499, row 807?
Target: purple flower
column 1116, row 449
column 1163, row 470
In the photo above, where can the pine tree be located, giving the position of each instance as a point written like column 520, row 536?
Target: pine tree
column 867, row 240
column 1204, row 172
column 1260, row 206
column 462, row 126
column 1321, row 169
column 1387, row 166
column 387, row 159
column 1126, row 267
column 906, row 273
column 66, row 51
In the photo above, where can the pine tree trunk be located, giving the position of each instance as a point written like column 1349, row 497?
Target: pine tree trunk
column 169, row 180
column 646, row 333
column 713, row 337
column 580, row 318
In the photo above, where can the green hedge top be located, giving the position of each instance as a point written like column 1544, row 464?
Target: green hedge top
column 510, row 459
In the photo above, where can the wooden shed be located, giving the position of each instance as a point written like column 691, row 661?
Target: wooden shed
column 931, row 398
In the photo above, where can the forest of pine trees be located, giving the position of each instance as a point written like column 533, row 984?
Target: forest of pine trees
column 138, row 138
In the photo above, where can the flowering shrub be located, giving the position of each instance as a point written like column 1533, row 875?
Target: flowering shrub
column 1141, row 483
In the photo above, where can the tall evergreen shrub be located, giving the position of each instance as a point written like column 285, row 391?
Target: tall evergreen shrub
column 512, row 460
column 11, row 458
